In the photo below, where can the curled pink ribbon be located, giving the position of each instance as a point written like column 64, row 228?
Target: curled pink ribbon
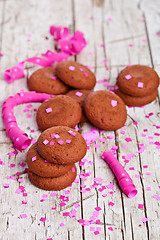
column 68, row 45
column 20, row 138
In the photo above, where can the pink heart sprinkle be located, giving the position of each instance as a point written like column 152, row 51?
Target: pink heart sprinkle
column 140, row 84
column 48, row 110
column 72, row 68
column 128, row 76
column 79, row 94
column 113, row 103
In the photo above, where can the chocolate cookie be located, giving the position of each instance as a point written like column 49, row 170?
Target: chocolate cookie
column 44, row 80
column 60, row 110
column 137, row 101
column 79, row 95
column 61, row 145
column 53, row 184
column 138, row 80
column 42, row 167
column 105, row 110
column 75, row 75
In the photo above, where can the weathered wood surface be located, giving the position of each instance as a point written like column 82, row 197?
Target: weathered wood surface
column 132, row 22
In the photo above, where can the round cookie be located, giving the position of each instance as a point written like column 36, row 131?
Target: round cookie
column 60, row 110
column 79, row 95
column 44, row 80
column 61, row 145
column 42, row 167
column 138, row 80
column 75, row 75
column 105, row 110
column 137, row 101
column 53, row 184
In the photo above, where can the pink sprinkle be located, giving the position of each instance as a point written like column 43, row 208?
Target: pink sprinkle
column 81, row 69
column 51, row 143
column 56, row 136
column 144, row 39
column 24, row 202
column 96, row 145
column 131, row 168
column 68, row 141
column 53, row 194
column 110, row 137
column 128, row 76
column 33, row 158
column 128, row 139
column 145, row 166
column 11, row 165
column 72, row 133
column 23, row 215
column 140, row 205
column 92, row 228
column 148, row 173
column 85, row 74
column 111, row 204
column 53, row 208
column 110, row 186
column 48, row 110
column 110, row 19
column 122, row 132
column 45, row 142
column 79, row 94
column 113, row 103
column 110, row 228
column 61, row 224
column 29, row 115
column 137, row 176
column 144, row 219
column 98, row 209
column 54, row 78
column 156, row 197
column 140, row 84
column 148, row 188
column 96, row 232
column 45, row 195
column 130, row 45
column 73, row 169
column 62, row 204
column 6, row 185
column 76, row 205
column 60, row 142
column 72, row 68
column 42, row 219
column 102, row 140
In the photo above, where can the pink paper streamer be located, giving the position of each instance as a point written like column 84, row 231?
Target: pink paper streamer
column 68, row 45
column 124, row 180
column 20, row 138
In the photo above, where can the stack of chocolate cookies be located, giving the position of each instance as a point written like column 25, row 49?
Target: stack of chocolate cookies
column 51, row 160
column 137, row 85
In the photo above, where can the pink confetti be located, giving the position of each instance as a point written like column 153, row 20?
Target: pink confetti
column 61, row 224
column 140, row 206
column 79, row 94
column 72, row 133
column 156, row 197
column 110, row 186
column 111, row 204
column 33, row 158
column 96, row 232
column 144, row 219
column 6, row 185
column 60, row 142
column 72, row 68
column 98, row 209
column 140, row 84
column 144, row 39
column 45, row 142
column 148, row 188
column 96, row 145
column 110, row 228
column 48, row 110
column 128, row 76
column 128, row 139
column 110, row 19
column 113, row 103
column 42, row 219
column 23, row 215
column 53, row 194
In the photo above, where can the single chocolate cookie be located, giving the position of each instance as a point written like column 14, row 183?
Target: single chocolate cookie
column 44, row 80
column 138, row 80
column 75, row 75
column 79, row 95
column 105, row 110
column 53, row 184
column 61, row 145
column 60, row 110
column 137, row 101
column 42, row 167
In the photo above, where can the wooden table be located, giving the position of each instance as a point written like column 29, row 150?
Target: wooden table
column 122, row 32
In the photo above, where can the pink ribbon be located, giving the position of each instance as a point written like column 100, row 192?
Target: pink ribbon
column 68, row 45
column 20, row 138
